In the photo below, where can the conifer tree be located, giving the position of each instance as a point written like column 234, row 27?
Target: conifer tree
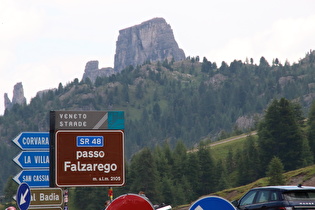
column 253, row 161
column 193, row 173
column 163, row 168
column 222, row 178
column 311, row 128
column 275, row 172
column 167, row 190
column 180, row 160
column 206, row 183
column 281, row 135
column 180, row 192
column 144, row 174
column 10, row 189
column 230, row 161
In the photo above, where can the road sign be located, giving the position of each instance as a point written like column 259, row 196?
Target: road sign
column 32, row 140
column 32, row 159
column 89, row 164
column 46, row 197
column 90, row 141
column 34, row 178
column 23, row 196
column 212, row 202
column 78, row 120
column 130, row 202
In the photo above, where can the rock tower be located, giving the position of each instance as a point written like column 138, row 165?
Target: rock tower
column 152, row 40
column 18, row 96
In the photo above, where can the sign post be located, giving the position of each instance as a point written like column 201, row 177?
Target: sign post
column 34, row 159
column 87, row 148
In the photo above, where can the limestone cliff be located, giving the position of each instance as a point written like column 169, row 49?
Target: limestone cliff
column 18, row 96
column 92, row 71
column 7, row 102
column 152, row 40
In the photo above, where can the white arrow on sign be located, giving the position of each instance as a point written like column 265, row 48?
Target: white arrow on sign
column 32, row 159
column 198, row 208
column 22, row 200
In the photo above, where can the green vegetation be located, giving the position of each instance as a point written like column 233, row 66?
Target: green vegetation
column 302, row 175
column 181, row 176
column 275, row 172
column 221, row 151
column 170, row 107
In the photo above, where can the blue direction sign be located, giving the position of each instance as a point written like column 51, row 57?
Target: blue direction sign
column 23, row 196
column 32, row 140
column 34, row 178
column 32, row 159
column 212, row 202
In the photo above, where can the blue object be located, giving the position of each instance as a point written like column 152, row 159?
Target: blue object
column 23, row 196
column 34, row 178
column 212, row 203
column 116, row 120
column 32, row 140
column 90, row 141
column 32, row 159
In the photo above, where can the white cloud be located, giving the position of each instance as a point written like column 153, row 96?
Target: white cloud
column 288, row 38
column 18, row 21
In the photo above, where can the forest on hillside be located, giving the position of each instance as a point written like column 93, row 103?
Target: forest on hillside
column 284, row 142
column 169, row 102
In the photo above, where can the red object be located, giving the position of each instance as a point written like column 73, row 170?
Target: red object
column 110, row 192
column 130, row 202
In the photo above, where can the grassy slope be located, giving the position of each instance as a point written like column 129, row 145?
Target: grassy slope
column 220, row 149
column 304, row 176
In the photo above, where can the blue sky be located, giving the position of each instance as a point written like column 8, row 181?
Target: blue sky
column 43, row 43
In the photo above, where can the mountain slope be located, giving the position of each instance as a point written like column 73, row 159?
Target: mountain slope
column 304, row 176
column 167, row 101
